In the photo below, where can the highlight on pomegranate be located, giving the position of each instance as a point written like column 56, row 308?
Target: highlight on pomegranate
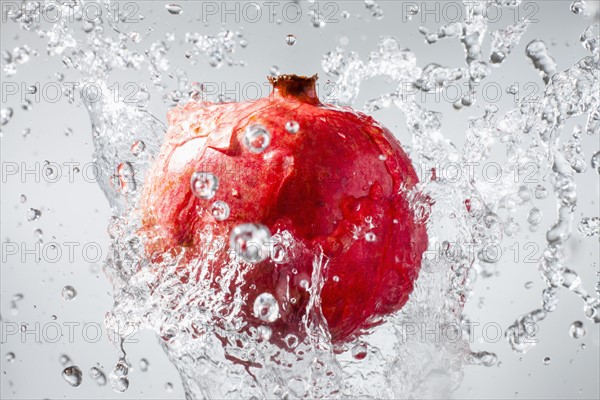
column 300, row 199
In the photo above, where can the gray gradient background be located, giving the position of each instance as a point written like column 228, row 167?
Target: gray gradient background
column 78, row 212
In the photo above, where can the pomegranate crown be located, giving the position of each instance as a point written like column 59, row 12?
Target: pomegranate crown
column 301, row 88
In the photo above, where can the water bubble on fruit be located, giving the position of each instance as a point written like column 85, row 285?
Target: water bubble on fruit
column 5, row 115
column 359, row 351
column 204, row 185
column 547, row 360
column 291, row 340
column 138, row 147
column 98, row 376
column 370, row 237
column 144, row 365
column 69, row 292
column 250, row 242
column 577, row 7
column 290, row 39
column 174, row 9
column 256, row 138
column 266, row 307
column 292, row 127
column 577, row 330
column 220, row 210
column 33, row 214
column 72, row 375
column 10, row 356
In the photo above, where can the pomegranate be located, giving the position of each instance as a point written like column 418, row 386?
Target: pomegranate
column 329, row 177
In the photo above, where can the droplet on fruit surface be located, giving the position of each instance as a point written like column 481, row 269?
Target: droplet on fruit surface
column 72, row 375
column 250, row 242
column 290, row 39
column 577, row 330
column 266, row 307
column 256, row 138
column 220, row 210
column 292, row 127
column 370, row 237
column 204, row 185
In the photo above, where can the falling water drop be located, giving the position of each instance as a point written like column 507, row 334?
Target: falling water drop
column 577, row 330
column 290, row 39
column 72, row 375
column 174, row 9
column 69, row 293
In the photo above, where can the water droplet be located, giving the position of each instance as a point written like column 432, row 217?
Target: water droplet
column 39, row 235
column 274, row 70
column 547, row 360
column 290, row 39
column 578, row 7
column 174, row 9
column 69, row 292
column 10, row 357
column 32, row 89
column 589, row 226
column 138, row 147
column 528, row 284
column 204, row 185
column 169, row 387
column 126, row 175
column 336, row 278
column 359, row 351
column 5, row 115
column 576, row 330
column 64, row 359
column 540, row 192
column 72, row 375
column 144, row 365
column 98, row 376
column 33, row 214
column 26, row 104
column 220, row 210
column 256, row 138
column 535, row 216
column 370, row 237
column 120, row 385
column 292, row 127
column 266, row 307
column 596, row 161
column 23, row 198
column 250, row 242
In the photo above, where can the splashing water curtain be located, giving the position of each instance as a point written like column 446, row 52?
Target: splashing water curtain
column 210, row 244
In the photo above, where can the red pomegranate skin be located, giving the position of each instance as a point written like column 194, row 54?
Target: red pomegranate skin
column 340, row 171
